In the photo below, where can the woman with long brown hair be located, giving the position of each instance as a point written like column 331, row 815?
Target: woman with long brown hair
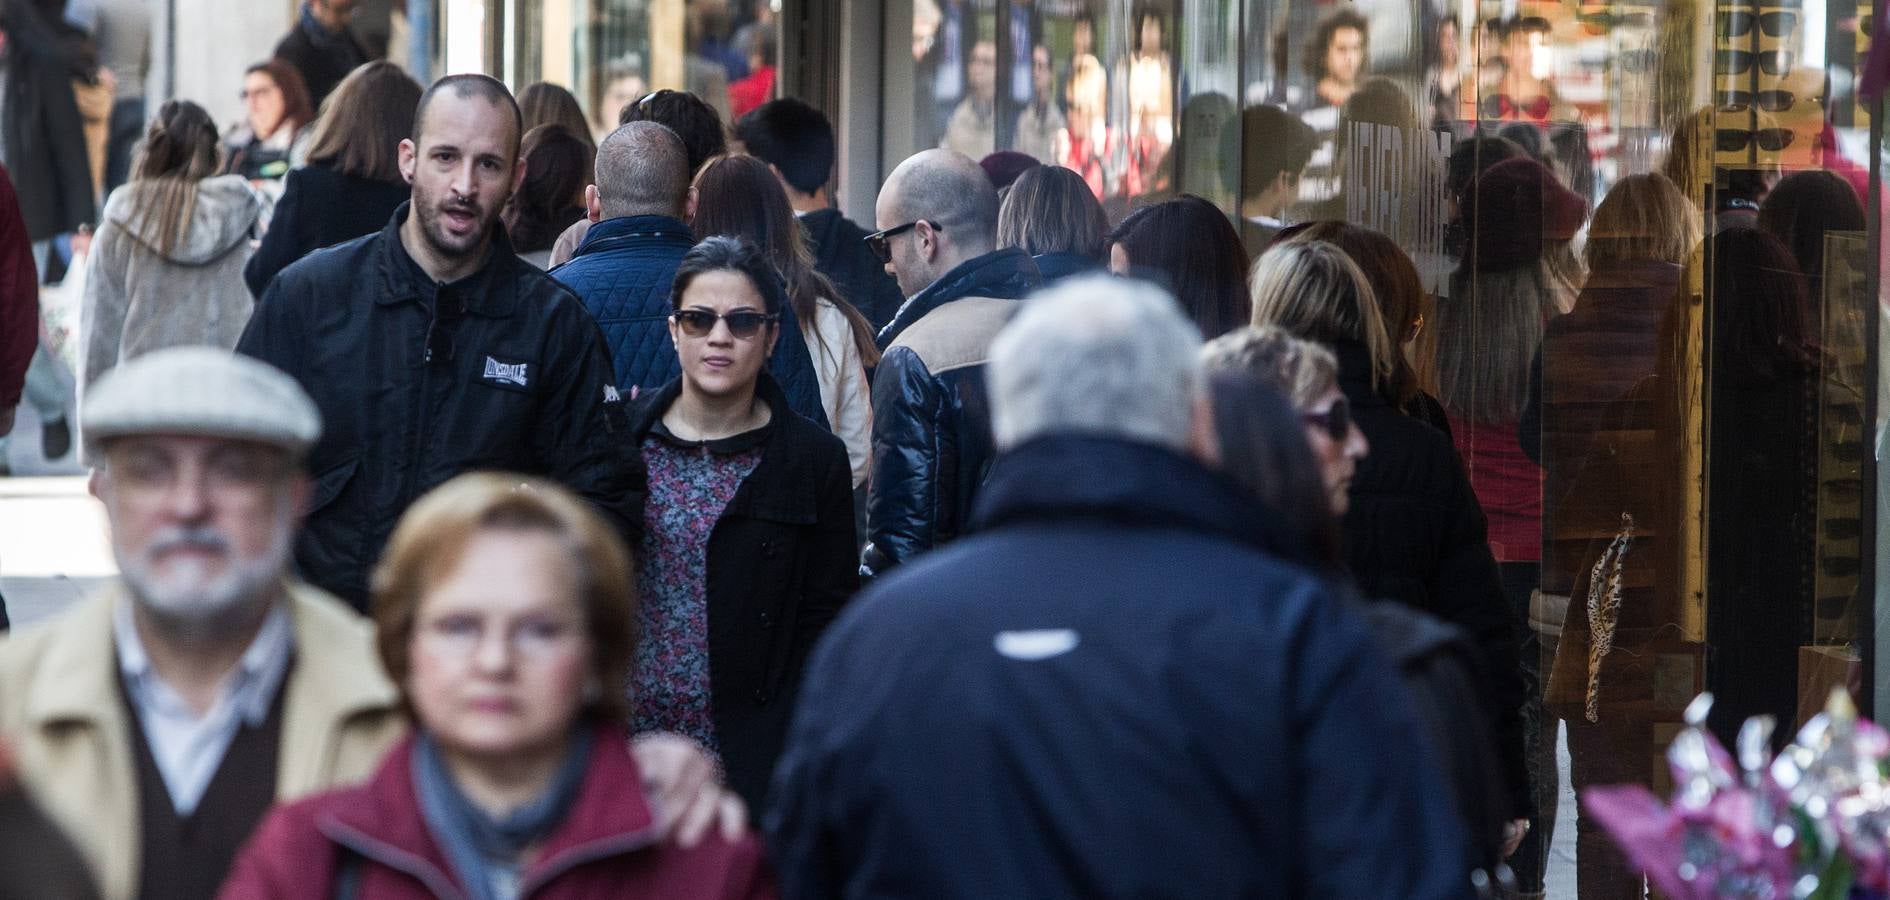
column 276, row 110
column 351, row 185
column 739, row 196
column 166, row 266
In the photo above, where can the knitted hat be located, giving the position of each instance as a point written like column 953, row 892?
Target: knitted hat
column 204, row 391
column 1004, row 167
column 1514, row 206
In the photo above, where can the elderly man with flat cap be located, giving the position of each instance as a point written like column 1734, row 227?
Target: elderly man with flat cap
column 158, row 721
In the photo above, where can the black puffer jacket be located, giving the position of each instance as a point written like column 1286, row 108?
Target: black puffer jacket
column 779, row 569
column 418, row 382
column 931, row 424
column 1416, row 534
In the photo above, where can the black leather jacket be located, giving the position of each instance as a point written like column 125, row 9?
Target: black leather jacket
column 418, row 382
column 931, row 425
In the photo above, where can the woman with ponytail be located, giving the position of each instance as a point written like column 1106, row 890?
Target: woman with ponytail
column 166, row 267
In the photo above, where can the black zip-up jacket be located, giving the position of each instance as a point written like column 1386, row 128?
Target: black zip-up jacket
column 840, row 253
column 931, row 423
column 780, row 567
column 418, row 382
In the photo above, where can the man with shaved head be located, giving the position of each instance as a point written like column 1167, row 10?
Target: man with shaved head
column 937, row 220
column 641, row 204
column 432, row 349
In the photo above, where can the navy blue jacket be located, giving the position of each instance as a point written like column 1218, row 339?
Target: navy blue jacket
column 1058, row 266
column 1113, row 688
column 623, row 271
column 931, row 426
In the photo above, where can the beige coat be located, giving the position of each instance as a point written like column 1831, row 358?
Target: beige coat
column 60, row 706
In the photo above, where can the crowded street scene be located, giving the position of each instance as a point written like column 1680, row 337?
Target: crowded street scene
column 538, row 449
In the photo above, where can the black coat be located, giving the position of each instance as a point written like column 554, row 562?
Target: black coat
column 1415, row 534
column 780, row 567
column 840, row 253
column 931, row 423
column 43, row 136
column 320, row 207
column 1115, row 686
column 322, row 68
column 418, row 382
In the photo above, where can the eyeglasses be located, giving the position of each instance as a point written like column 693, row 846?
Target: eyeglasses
column 1773, row 24
column 1772, row 140
column 880, row 241
column 1738, row 62
column 1770, row 101
column 1336, row 420
column 742, row 323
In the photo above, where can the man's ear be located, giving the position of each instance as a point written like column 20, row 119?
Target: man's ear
column 518, row 174
column 689, row 206
column 593, row 204
column 409, row 158
column 1203, row 443
column 96, row 485
column 300, row 490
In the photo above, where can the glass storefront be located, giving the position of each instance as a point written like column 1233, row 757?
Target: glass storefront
column 1659, row 368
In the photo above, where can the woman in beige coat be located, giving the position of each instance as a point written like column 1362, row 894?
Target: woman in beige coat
column 166, row 267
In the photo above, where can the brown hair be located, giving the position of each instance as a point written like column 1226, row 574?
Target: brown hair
column 297, row 109
column 738, row 196
column 179, row 151
column 364, row 120
column 1642, row 217
column 1190, row 242
column 1050, row 210
column 544, row 103
column 1396, row 288
column 432, row 537
column 557, row 166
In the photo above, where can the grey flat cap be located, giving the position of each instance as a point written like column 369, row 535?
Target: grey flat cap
column 203, row 391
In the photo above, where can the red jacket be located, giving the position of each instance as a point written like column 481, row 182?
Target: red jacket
column 19, row 296
column 606, row 847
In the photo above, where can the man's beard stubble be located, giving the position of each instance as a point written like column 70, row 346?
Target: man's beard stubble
column 191, row 609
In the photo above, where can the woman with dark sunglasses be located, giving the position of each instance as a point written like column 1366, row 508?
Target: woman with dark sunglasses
column 748, row 547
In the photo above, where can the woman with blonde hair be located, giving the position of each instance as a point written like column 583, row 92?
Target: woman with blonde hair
column 166, row 266
column 1414, row 532
column 505, row 614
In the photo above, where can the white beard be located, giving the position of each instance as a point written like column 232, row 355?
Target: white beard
column 185, row 598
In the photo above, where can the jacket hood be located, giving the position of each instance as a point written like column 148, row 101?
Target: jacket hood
column 1007, row 274
column 222, row 218
column 1070, row 476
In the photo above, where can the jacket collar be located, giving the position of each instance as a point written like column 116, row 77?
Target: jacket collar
column 81, row 663
column 632, row 231
column 766, row 493
column 492, row 291
column 1056, row 266
column 382, row 821
column 1006, row 274
column 1062, row 477
column 1355, row 375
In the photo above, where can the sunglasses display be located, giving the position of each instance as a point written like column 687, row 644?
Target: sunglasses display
column 1770, row 101
column 1738, row 23
column 742, row 323
column 1739, row 62
column 1336, row 420
column 1771, row 140
column 880, row 242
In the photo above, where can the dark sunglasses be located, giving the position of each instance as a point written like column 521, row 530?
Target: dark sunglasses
column 742, row 323
column 1770, row 101
column 1738, row 62
column 1336, row 420
column 1773, row 24
column 1772, row 140
column 880, row 241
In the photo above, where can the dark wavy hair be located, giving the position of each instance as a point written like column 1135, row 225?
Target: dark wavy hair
column 1321, row 38
column 1264, row 450
column 1803, row 207
column 557, row 166
column 722, row 253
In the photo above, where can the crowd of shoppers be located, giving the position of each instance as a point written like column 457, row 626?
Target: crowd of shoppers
column 588, row 432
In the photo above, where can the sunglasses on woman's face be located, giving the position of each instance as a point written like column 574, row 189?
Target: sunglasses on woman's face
column 742, row 323
column 1336, row 420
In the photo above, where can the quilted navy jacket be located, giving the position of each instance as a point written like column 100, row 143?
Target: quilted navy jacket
column 623, row 272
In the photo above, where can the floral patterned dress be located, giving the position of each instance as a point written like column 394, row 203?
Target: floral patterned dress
column 691, row 484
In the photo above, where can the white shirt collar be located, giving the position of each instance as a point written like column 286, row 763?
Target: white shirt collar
column 251, row 686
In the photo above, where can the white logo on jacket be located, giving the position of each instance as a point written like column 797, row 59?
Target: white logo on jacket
column 1031, row 646
column 513, row 373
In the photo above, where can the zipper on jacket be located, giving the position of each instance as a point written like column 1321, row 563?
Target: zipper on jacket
column 394, row 858
column 602, row 848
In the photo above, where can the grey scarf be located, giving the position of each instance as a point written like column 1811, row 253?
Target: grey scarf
column 484, row 853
